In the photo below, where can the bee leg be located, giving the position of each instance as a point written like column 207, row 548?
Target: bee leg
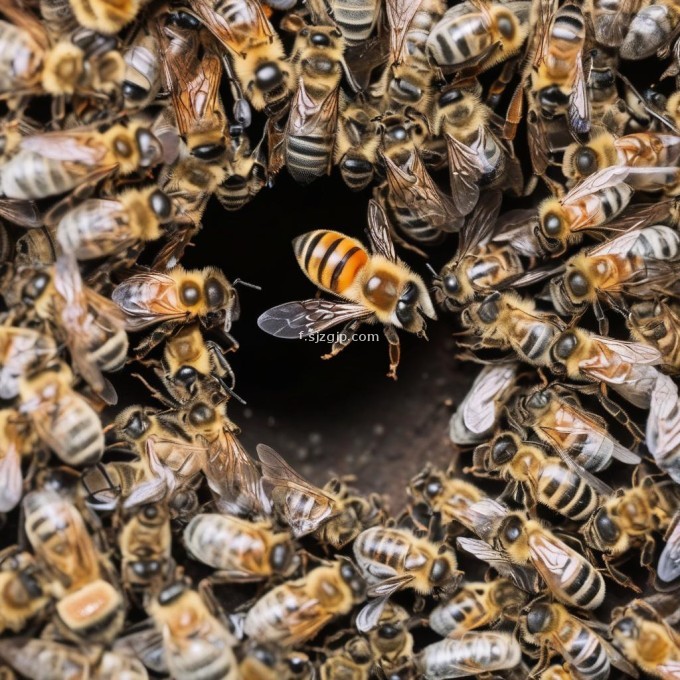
column 617, row 575
column 155, row 338
column 343, row 339
column 394, row 350
column 619, row 415
column 222, row 363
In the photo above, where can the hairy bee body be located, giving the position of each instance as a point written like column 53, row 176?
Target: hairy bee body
column 20, row 350
column 658, row 325
column 356, row 18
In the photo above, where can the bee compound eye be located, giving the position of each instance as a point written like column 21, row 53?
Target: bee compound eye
column 626, row 628
column 440, row 570
column 577, row 284
column 215, row 293
column 539, row 618
column 388, row 631
column 512, row 529
column 506, row 26
column 607, row 529
column 133, row 92
column 187, row 376
column 160, row 204
column 565, row 346
column 150, row 511
column 538, row 400
column 320, row 39
column 280, row 557
column 586, row 161
column 201, row 414
column 552, row 224
column 190, row 293
column 268, row 76
column 503, row 449
column 451, row 284
column 433, row 488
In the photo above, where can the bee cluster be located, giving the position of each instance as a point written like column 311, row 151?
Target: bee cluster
column 149, row 543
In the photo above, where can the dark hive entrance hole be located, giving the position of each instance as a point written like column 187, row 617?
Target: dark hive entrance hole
column 342, row 416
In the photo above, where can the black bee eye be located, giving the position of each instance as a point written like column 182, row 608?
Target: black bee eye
column 577, row 284
column 280, row 557
column 320, row 40
column 187, row 376
column 505, row 26
column 433, row 488
column 201, row 414
column 503, row 449
column 586, row 161
column 268, row 76
column 122, row 147
column 565, row 346
column 215, row 293
column 388, row 631
column 410, row 293
column 208, row 152
column 297, row 664
column 513, row 529
column 133, row 92
column 35, row 287
column 606, row 527
column 538, row 400
column 160, row 204
column 538, row 619
column 189, row 294
column 439, row 571
column 450, row 97
column 451, row 284
column 137, row 425
column 347, row 572
column 150, row 511
column 488, row 311
column 552, row 224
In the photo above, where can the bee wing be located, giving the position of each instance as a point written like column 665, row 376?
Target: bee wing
column 293, row 320
column 668, row 568
column 23, row 213
column 523, row 577
column 416, row 189
column 233, row 476
column 248, row 25
column 146, row 299
column 276, row 472
column 663, row 422
column 400, row 13
column 630, row 352
column 465, row 171
column 378, row 232
column 79, row 147
column 596, row 484
column 479, row 414
column 11, row 481
column 479, row 224
column 537, row 141
column 483, row 517
column 598, row 181
column 550, row 557
column 311, row 117
column 369, row 616
column 517, row 229
column 306, row 622
column 579, row 103
column 17, row 14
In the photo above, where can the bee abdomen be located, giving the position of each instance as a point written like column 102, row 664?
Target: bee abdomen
column 29, row 175
column 112, row 355
column 585, row 587
column 588, row 656
column 308, row 156
column 450, row 616
column 82, row 435
column 566, row 493
column 330, row 259
column 355, row 18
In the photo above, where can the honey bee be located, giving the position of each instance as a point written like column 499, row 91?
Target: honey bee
column 522, row 541
column 194, row 85
column 589, row 206
column 612, row 19
column 107, row 17
column 560, row 421
column 357, row 142
column 231, row 473
column 668, row 567
column 476, row 605
column 663, row 426
column 17, row 440
column 52, row 163
column 657, row 324
column 21, row 349
column 332, row 514
column 637, row 150
column 646, row 640
column 35, row 64
column 195, row 643
column 269, row 662
column 508, row 321
column 353, row 661
column 45, row 659
column 603, row 93
column 240, row 550
column 556, row 80
column 310, row 131
column 651, row 30
column 640, row 262
column 105, row 227
column 627, row 367
column 480, row 410
column 470, row 654
column 478, row 34
column 552, row 628
column 295, row 611
column 88, row 607
column 375, row 287
column 61, row 418
column 356, row 20
column 391, row 559
column 89, row 323
column 174, row 298
column 445, row 493
column 566, row 488
column 142, row 79
column 627, row 518
column 190, row 362
column 255, row 49
column 391, row 641
column 413, row 202
column 21, row 590
column 145, row 543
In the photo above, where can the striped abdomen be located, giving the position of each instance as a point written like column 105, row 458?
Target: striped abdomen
column 108, row 349
column 356, row 18
column 381, row 550
column 565, row 492
column 569, row 576
column 463, row 611
column 20, row 64
column 457, row 37
column 31, row 175
column 598, row 208
column 426, row 17
column 583, row 650
column 567, row 35
column 330, row 259
column 413, row 224
column 270, row 618
column 658, row 242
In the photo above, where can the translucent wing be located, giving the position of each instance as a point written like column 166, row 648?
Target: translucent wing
column 465, row 171
column 378, row 232
column 579, row 103
column 24, row 213
column 399, row 15
column 479, row 412
column 294, row 320
column 598, row 181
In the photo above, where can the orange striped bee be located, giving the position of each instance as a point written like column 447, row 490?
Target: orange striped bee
column 373, row 287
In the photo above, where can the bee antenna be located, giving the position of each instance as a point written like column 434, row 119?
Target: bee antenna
column 432, row 271
column 241, row 282
column 229, row 391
